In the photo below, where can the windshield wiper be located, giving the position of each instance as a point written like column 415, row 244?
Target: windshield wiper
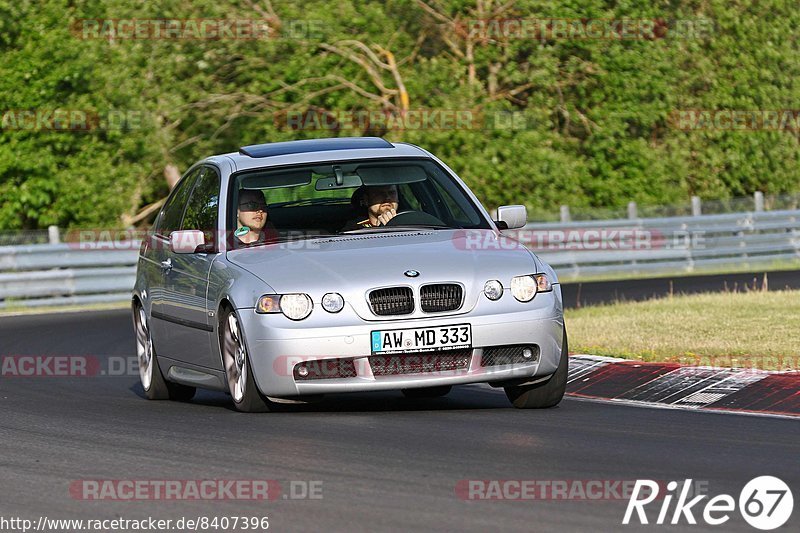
column 427, row 226
column 300, row 236
column 304, row 236
column 403, row 227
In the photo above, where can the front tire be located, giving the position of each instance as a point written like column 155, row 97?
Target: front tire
column 153, row 382
column 238, row 371
column 547, row 393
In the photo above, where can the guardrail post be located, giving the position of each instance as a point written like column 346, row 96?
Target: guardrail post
column 565, row 213
column 697, row 208
column 632, row 210
column 52, row 235
column 758, row 199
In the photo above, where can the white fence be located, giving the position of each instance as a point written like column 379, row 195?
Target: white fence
column 50, row 274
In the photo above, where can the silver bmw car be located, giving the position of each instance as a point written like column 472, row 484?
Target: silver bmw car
column 291, row 270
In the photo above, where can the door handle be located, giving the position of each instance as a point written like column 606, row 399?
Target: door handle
column 166, row 265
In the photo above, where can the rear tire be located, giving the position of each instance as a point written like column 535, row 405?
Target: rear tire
column 238, row 371
column 153, row 382
column 427, row 392
column 548, row 393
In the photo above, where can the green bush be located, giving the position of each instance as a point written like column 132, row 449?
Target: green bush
column 595, row 123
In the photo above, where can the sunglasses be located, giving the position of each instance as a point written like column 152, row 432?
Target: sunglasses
column 252, row 206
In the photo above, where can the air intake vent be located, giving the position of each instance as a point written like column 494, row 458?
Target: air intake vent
column 324, row 369
column 440, row 297
column 510, row 355
column 364, row 237
column 419, row 363
column 392, row 301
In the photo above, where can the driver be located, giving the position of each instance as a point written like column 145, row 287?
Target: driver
column 252, row 219
column 380, row 202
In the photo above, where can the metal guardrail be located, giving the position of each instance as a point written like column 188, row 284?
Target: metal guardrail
column 66, row 274
column 54, row 274
column 668, row 245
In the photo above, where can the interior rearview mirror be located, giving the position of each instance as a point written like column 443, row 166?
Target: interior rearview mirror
column 513, row 216
column 187, row 241
column 349, row 181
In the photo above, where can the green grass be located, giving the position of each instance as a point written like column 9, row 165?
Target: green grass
column 744, row 329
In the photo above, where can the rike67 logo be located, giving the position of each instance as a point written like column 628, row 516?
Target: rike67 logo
column 765, row 503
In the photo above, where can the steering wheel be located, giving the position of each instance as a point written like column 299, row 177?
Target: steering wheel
column 412, row 217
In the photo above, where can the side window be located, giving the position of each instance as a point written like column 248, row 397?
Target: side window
column 172, row 213
column 456, row 214
column 408, row 199
column 201, row 211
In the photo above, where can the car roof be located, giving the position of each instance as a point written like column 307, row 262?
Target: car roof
column 318, row 151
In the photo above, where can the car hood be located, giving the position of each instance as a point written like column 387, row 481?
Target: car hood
column 354, row 264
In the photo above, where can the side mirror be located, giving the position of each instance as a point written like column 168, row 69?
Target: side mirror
column 186, row 241
column 512, row 216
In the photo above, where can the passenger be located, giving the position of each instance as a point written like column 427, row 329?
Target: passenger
column 253, row 225
column 380, row 203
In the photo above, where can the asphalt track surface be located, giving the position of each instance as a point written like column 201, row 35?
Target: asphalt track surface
column 386, row 463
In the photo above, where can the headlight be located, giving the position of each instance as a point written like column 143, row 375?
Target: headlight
column 523, row 288
column 332, row 302
column 293, row 306
column 296, row 306
column 493, row 289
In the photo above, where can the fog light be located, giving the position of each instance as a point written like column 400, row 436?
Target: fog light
column 332, row 302
column 493, row 289
column 302, row 371
column 527, row 353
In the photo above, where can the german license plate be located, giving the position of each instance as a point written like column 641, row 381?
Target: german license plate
column 422, row 339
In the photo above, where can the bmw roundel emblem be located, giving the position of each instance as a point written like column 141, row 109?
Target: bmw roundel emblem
column 411, row 273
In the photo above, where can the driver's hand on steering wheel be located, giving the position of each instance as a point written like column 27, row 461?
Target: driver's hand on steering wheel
column 386, row 216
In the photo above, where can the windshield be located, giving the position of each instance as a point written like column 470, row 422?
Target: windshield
column 347, row 197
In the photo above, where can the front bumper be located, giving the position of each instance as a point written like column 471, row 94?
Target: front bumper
column 275, row 346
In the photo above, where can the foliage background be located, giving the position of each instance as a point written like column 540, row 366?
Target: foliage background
column 597, row 112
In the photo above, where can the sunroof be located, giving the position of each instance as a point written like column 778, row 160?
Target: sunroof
column 313, row 145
